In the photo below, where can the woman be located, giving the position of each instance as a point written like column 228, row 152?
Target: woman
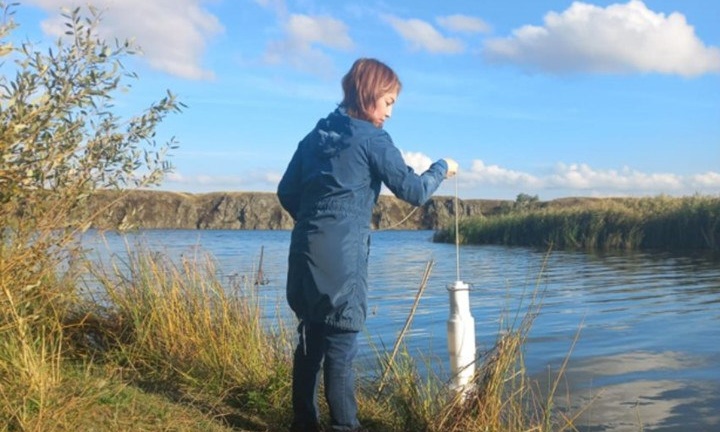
column 330, row 188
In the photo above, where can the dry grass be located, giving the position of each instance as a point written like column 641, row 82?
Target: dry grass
column 186, row 333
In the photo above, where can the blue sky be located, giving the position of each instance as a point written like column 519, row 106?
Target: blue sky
column 549, row 98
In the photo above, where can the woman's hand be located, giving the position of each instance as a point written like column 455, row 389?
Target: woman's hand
column 452, row 167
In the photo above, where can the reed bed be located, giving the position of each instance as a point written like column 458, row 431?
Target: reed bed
column 687, row 223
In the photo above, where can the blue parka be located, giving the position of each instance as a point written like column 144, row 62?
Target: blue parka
column 330, row 188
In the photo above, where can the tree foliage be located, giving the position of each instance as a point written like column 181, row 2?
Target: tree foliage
column 523, row 202
column 60, row 139
column 57, row 128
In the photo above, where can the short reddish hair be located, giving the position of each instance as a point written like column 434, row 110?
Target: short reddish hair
column 366, row 81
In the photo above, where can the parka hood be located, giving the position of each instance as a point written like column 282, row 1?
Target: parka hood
column 331, row 132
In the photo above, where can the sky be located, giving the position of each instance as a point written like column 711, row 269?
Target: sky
column 545, row 97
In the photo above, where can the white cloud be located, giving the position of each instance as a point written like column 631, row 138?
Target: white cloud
column 463, row 24
column 172, row 34
column 482, row 180
column 278, row 6
column 305, row 38
column 258, row 181
column 322, row 30
column 417, row 161
column 572, row 179
column 707, row 180
column 620, row 38
column 423, row 36
column 580, row 179
column 483, row 174
column 584, row 177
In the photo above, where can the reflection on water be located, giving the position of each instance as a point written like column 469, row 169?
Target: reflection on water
column 651, row 405
column 648, row 349
column 660, row 391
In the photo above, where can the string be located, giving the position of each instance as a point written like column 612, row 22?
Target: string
column 397, row 224
column 457, row 234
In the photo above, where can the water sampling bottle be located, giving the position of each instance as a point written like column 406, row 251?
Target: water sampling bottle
column 461, row 337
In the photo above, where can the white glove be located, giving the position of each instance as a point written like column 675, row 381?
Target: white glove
column 452, row 167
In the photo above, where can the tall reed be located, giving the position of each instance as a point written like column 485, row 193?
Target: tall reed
column 605, row 224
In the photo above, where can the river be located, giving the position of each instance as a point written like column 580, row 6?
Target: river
column 641, row 329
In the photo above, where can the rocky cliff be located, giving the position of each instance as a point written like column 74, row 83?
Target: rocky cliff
column 256, row 210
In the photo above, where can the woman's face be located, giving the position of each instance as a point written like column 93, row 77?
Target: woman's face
column 383, row 108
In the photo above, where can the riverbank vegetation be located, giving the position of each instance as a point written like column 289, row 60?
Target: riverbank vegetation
column 148, row 343
column 662, row 222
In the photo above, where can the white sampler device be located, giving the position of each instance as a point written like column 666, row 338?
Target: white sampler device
column 461, row 337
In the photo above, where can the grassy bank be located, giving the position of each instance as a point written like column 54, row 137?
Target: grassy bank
column 162, row 345
column 686, row 223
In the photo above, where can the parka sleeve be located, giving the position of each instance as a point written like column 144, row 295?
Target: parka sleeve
column 289, row 189
column 387, row 163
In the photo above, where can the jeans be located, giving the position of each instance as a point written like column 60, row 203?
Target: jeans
column 334, row 350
